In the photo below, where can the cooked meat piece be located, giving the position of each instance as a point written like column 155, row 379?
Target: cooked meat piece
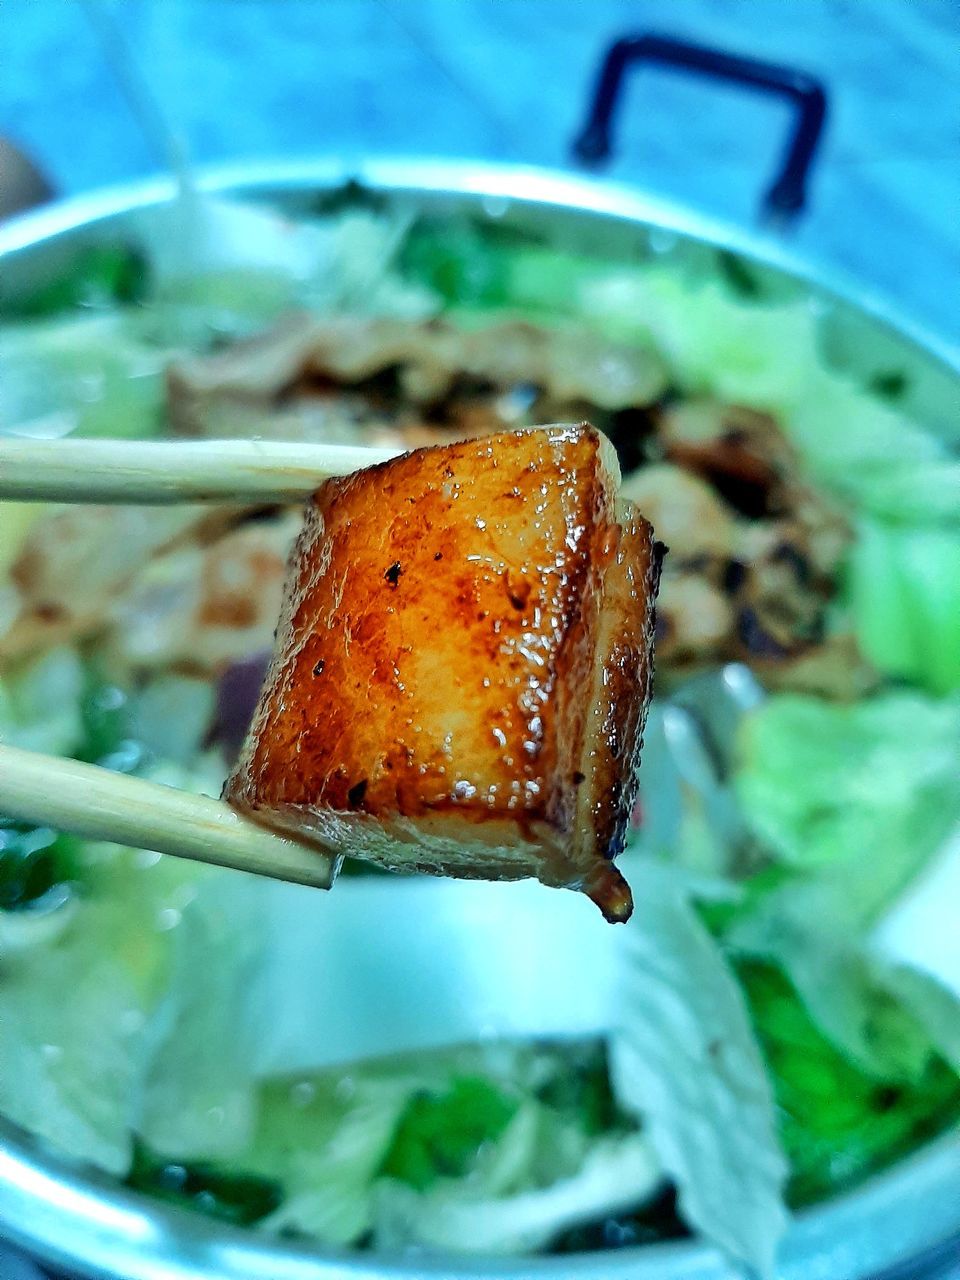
column 203, row 608
column 780, row 595
column 463, row 666
column 333, row 416
column 740, row 452
column 751, row 465
column 686, row 513
column 307, row 359
column 694, row 621
column 834, row 669
column 74, row 563
column 821, row 530
column 759, row 548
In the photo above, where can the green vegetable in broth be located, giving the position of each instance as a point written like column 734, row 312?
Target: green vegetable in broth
column 232, row 1197
column 96, row 276
column 838, row 1123
column 438, row 1135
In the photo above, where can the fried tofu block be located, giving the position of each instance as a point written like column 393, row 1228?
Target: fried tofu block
column 463, row 666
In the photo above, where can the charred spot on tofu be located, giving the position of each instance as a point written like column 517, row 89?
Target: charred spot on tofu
column 485, row 719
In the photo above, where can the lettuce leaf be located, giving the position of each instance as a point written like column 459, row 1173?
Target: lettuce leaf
column 855, row 999
column 715, row 344
column 225, row 268
column 462, row 264
column 404, row 1147
column 41, row 703
column 685, row 1061
column 73, row 1050
column 934, row 1005
column 222, row 1193
column 96, row 275
column 839, row 1124
column 863, row 794
column 922, row 492
column 75, row 1070
column 442, row 1133
column 854, row 801
column 83, row 375
column 618, row 1173
column 508, row 1160
column 904, row 587
column 325, row 1141
column 71, row 1068
column 198, row 1096
column 851, row 439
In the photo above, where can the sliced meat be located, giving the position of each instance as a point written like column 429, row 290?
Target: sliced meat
column 203, row 608
column 741, row 453
column 686, row 513
column 749, row 463
column 330, row 361
column 74, row 564
column 695, row 621
column 757, row 550
column 834, row 669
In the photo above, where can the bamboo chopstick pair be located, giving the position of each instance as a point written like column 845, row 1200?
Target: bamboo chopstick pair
column 93, row 802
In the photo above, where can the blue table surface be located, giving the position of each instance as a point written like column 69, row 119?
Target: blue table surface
column 508, row 80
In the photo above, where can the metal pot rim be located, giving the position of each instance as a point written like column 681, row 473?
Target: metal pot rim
column 572, row 192
column 80, row 1219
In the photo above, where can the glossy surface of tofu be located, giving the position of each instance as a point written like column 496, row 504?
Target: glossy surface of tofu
column 463, row 665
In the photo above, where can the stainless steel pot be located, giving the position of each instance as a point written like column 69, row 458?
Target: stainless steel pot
column 76, row 1218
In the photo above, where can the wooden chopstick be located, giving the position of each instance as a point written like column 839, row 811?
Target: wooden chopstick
column 101, row 805
column 157, row 472
column 96, row 803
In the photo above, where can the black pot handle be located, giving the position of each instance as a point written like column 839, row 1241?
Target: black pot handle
column 785, row 197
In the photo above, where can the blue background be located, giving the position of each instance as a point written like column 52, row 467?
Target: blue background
column 508, row 79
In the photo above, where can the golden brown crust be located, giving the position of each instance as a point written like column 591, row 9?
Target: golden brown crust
column 623, row 683
column 463, row 665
